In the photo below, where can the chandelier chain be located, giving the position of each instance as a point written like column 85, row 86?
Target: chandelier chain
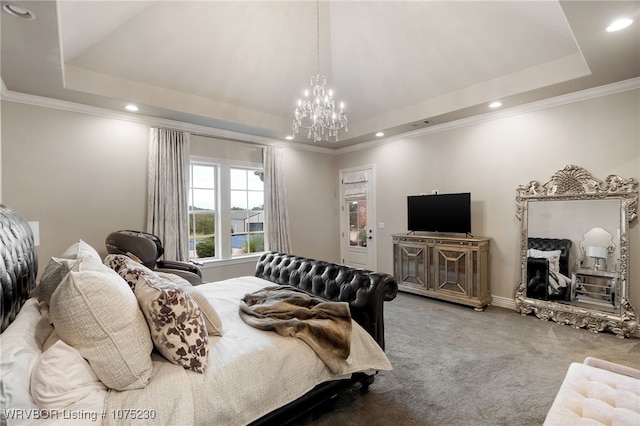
column 318, row 35
column 317, row 113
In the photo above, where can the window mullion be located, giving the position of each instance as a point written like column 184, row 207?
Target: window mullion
column 225, row 212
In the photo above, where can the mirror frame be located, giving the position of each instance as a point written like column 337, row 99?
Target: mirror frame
column 576, row 183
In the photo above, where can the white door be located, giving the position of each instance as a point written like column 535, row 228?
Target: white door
column 357, row 217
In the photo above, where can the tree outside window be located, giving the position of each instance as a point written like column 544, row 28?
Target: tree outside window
column 202, row 210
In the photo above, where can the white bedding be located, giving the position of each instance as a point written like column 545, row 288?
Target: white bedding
column 249, row 374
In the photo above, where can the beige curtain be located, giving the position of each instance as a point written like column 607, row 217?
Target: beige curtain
column 275, row 197
column 168, row 184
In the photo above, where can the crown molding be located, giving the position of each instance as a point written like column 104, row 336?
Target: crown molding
column 196, row 129
column 582, row 95
column 214, row 132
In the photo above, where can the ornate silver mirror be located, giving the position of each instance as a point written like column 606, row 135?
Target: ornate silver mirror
column 574, row 250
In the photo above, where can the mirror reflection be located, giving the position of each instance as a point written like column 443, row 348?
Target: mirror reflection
column 567, row 239
column 575, row 248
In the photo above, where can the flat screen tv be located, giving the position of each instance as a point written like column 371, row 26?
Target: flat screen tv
column 450, row 213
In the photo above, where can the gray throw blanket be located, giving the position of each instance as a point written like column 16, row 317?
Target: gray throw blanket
column 289, row 311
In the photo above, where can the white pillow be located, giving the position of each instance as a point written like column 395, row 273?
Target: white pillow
column 94, row 311
column 552, row 255
column 20, row 347
column 61, row 378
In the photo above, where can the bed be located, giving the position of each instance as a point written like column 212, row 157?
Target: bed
column 83, row 348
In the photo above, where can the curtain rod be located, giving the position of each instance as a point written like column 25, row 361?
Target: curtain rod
column 257, row 144
column 229, row 136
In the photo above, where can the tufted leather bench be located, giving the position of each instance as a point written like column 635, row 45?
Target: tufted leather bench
column 365, row 291
column 597, row 392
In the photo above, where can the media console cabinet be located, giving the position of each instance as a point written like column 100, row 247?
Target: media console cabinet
column 450, row 268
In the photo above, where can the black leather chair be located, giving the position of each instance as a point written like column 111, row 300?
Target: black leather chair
column 146, row 249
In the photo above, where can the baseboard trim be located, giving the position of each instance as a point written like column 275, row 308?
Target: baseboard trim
column 508, row 303
column 503, row 302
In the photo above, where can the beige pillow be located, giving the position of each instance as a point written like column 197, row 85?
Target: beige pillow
column 94, row 311
column 81, row 250
column 53, row 274
column 131, row 271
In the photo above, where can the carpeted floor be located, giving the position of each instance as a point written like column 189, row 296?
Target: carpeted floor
column 455, row 366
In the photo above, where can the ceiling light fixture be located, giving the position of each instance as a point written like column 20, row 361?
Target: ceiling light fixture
column 380, row 134
column 131, row 108
column 619, row 24
column 19, row 12
column 317, row 113
column 495, row 104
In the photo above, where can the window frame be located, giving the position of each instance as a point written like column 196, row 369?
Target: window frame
column 216, row 188
column 223, row 251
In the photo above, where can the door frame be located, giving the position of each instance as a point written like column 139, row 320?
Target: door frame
column 371, row 214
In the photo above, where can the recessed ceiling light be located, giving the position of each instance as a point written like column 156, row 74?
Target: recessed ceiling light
column 131, row 108
column 19, row 12
column 619, row 24
column 289, row 137
column 495, row 104
column 380, row 134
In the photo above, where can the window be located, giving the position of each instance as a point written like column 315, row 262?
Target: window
column 202, row 210
column 226, row 211
column 247, row 211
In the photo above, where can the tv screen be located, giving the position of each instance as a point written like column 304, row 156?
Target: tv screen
column 440, row 213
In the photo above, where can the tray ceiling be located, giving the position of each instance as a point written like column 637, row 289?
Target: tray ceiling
column 241, row 65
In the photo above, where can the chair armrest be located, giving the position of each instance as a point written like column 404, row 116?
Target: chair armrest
column 613, row 367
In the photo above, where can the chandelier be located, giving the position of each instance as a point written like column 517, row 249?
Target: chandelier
column 316, row 113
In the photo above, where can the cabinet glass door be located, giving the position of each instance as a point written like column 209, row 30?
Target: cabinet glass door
column 451, row 270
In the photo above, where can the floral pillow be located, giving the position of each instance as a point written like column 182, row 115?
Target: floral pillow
column 131, row 271
column 127, row 268
column 211, row 318
column 176, row 323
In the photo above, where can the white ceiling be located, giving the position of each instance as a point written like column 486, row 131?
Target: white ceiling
column 241, row 65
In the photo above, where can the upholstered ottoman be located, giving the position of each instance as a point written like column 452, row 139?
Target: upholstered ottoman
column 597, row 392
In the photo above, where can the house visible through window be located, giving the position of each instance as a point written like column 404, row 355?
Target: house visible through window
column 226, row 211
column 247, row 211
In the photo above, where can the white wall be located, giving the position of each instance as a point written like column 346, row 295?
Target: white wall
column 313, row 211
column 83, row 176
column 80, row 176
column 491, row 159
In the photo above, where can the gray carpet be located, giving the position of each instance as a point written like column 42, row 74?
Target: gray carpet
column 456, row 366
